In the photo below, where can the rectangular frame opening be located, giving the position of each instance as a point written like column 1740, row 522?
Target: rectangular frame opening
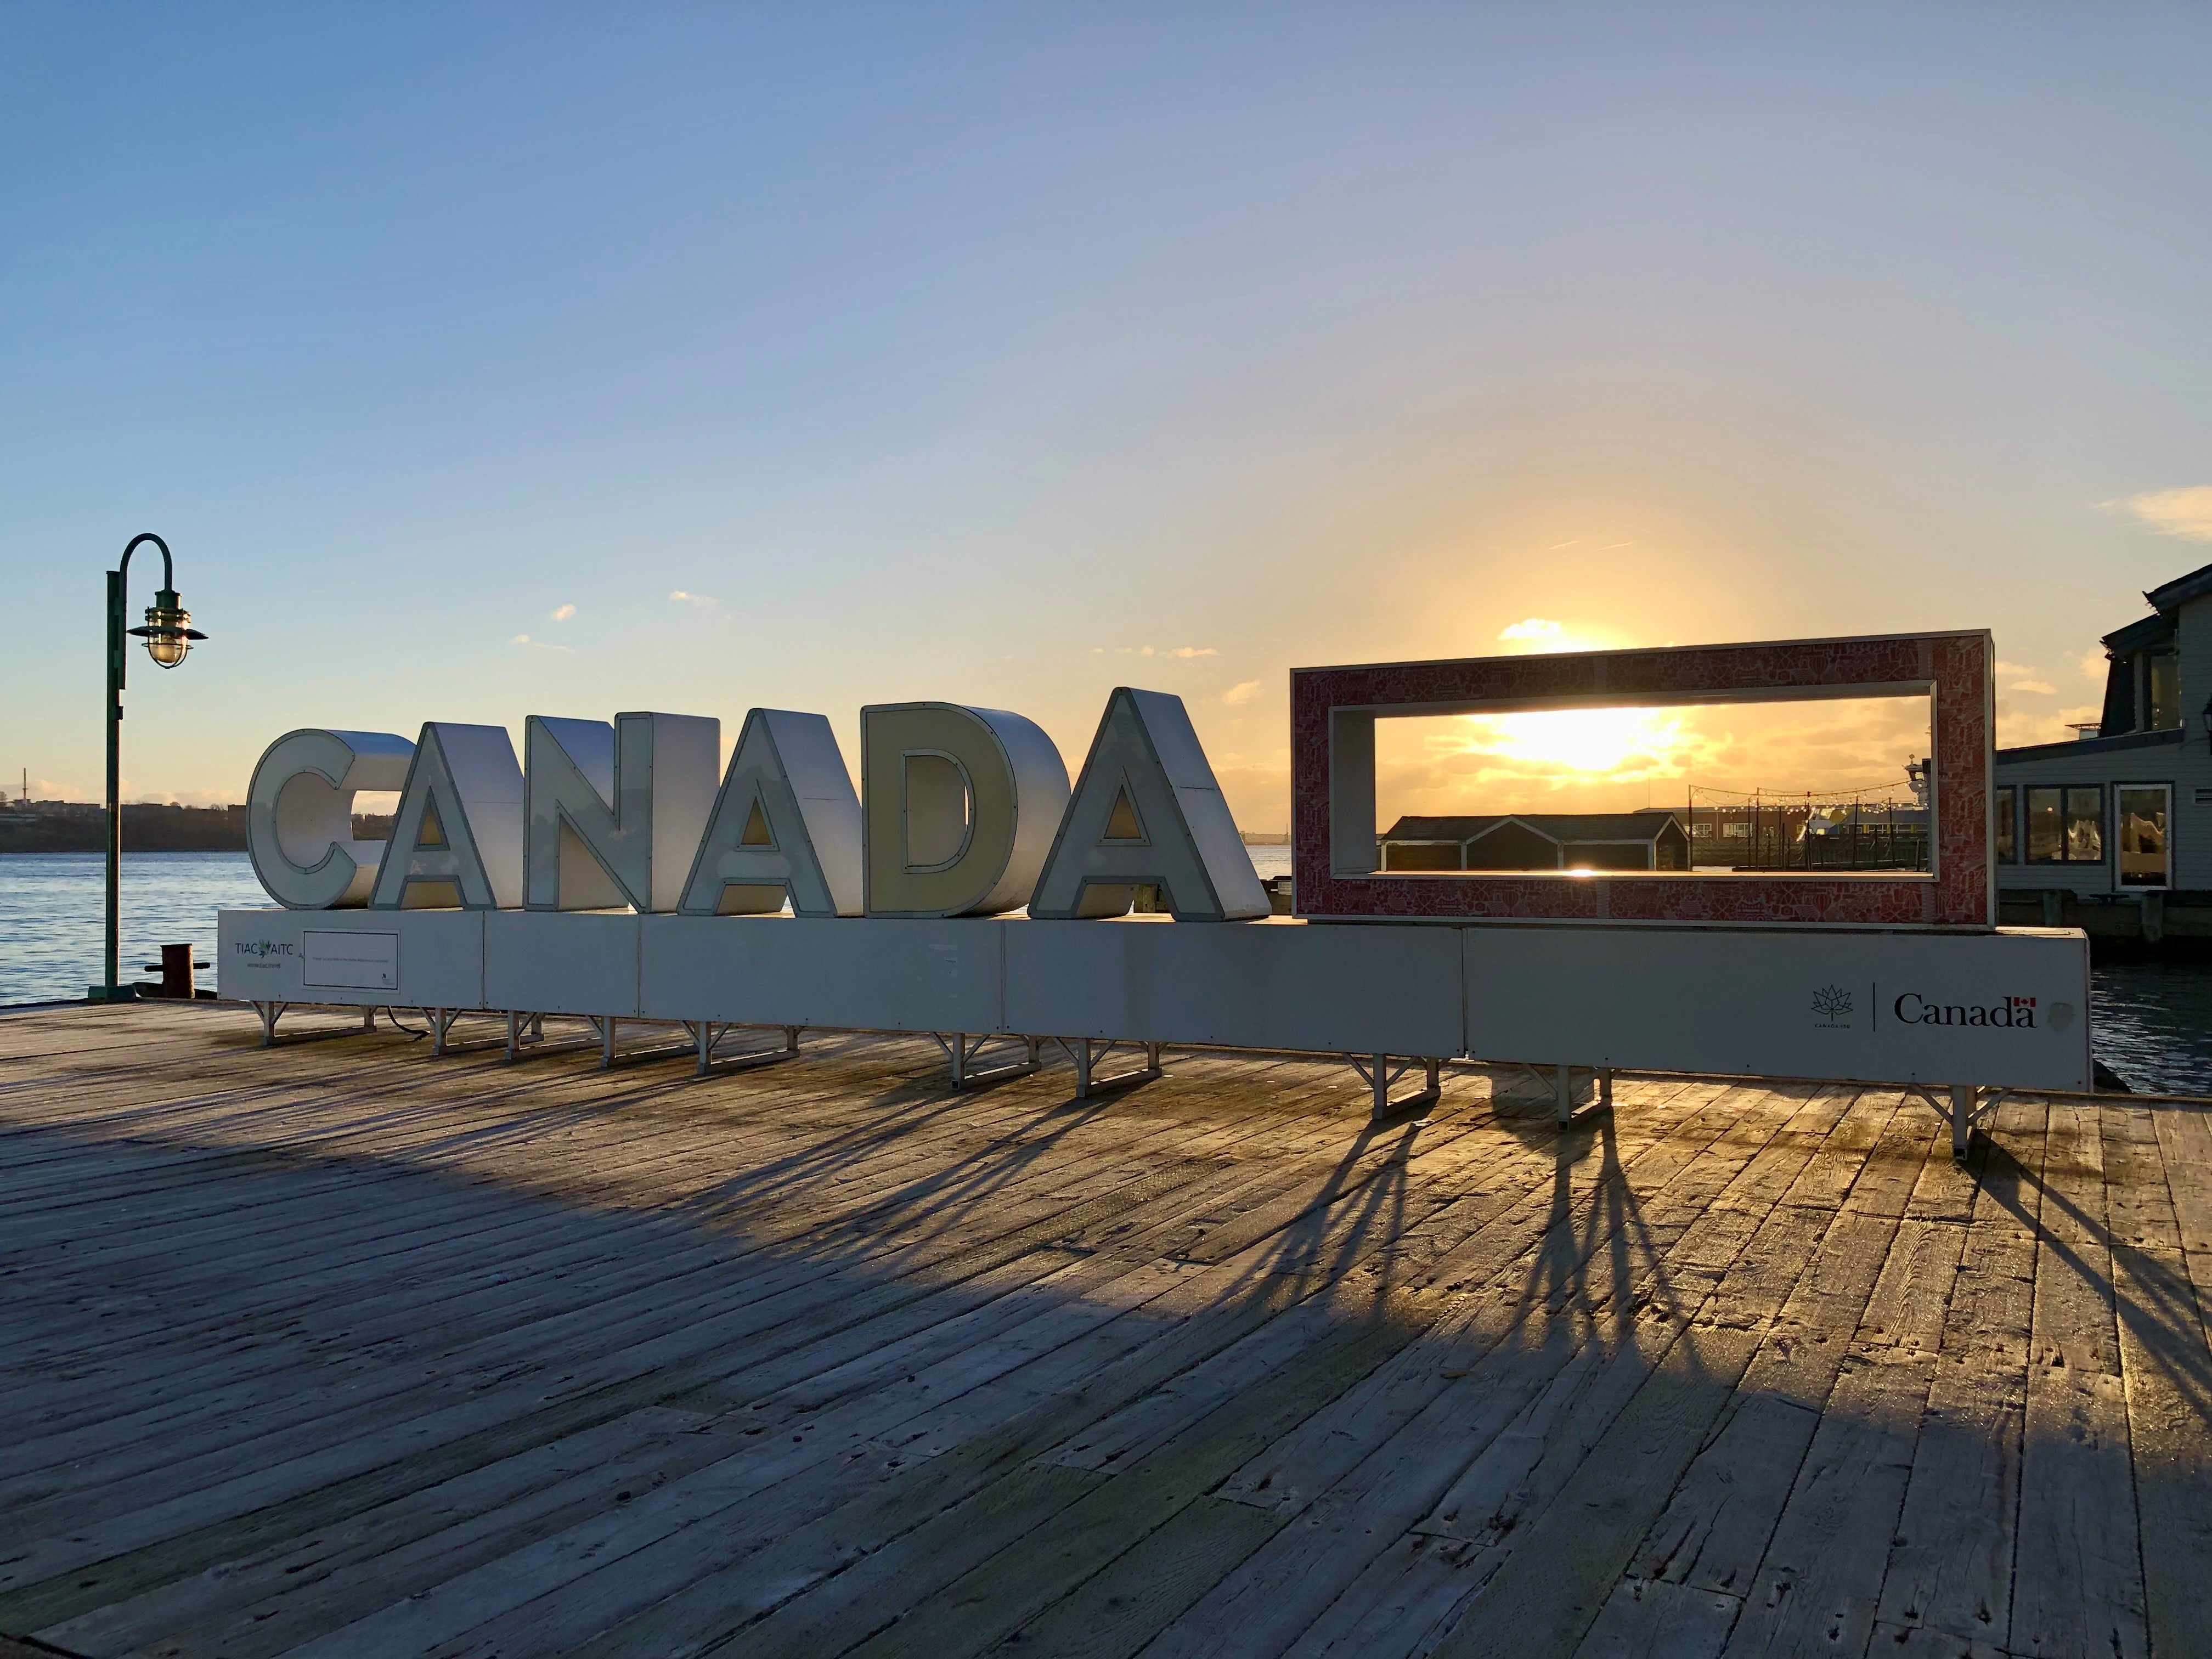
column 1825, row 782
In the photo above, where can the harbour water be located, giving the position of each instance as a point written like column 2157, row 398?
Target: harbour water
column 52, row 906
column 2152, row 1022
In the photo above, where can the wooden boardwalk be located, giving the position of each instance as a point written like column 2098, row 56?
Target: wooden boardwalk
column 344, row 1350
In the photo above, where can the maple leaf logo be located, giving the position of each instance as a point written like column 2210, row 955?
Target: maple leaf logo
column 1832, row 1002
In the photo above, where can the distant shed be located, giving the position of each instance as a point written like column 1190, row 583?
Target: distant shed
column 1538, row 841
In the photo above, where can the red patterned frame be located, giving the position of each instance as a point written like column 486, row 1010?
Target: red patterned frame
column 1955, row 670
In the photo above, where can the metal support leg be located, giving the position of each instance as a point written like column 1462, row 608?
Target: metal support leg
column 439, row 1023
column 1376, row 1072
column 271, row 1012
column 1088, row 1052
column 1963, row 1106
column 963, row 1055
column 707, row 1035
column 1559, row 1083
column 526, row 1038
column 609, row 1057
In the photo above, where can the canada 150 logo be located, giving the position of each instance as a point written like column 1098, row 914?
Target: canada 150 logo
column 1834, row 1007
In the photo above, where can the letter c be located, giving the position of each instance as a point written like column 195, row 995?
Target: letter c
column 298, row 814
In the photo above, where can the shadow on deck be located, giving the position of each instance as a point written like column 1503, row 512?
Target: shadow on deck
column 340, row 1350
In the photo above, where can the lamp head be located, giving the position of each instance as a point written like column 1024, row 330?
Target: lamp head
column 168, row 632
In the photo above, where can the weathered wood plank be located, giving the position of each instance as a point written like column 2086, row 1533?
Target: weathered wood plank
column 1950, row 1565
column 1714, row 1527
column 1562, row 1569
column 2077, row 1584
column 657, row 1290
column 1333, row 1576
column 924, row 1394
column 1652, row 1619
column 2166, row 1371
column 544, row 1361
column 609, row 1594
column 1819, row 1583
column 2137, row 1198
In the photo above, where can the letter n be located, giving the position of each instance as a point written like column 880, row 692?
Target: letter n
column 615, row 810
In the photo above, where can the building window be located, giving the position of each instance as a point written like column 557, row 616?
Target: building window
column 2066, row 826
column 2165, row 692
column 2140, row 827
column 2004, row 804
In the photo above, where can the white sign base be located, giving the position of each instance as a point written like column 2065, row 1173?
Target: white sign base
column 2007, row 1009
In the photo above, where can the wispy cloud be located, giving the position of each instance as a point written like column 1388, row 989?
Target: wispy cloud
column 2004, row 667
column 1532, row 628
column 2184, row 513
column 2037, row 686
column 561, row 612
column 696, row 601
column 1237, row 696
column 1185, row 652
column 540, row 645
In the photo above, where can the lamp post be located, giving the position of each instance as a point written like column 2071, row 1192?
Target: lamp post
column 169, row 633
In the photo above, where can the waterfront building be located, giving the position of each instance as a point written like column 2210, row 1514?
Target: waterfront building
column 1537, row 841
column 2111, row 831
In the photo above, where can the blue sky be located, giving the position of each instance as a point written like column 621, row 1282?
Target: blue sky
column 976, row 352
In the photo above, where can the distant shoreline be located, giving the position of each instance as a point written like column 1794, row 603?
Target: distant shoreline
column 150, row 828
column 147, row 827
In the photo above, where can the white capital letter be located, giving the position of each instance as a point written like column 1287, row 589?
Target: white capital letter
column 785, row 823
column 615, row 810
column 457, row 841
column 961, row 805
column 299, row 815
column 1147, row 812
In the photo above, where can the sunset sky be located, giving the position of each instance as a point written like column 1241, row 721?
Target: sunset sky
column 484, row 361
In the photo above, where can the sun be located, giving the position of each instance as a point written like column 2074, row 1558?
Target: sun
column 1589, row 740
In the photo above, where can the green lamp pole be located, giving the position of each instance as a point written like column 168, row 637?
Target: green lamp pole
column 169, row 633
